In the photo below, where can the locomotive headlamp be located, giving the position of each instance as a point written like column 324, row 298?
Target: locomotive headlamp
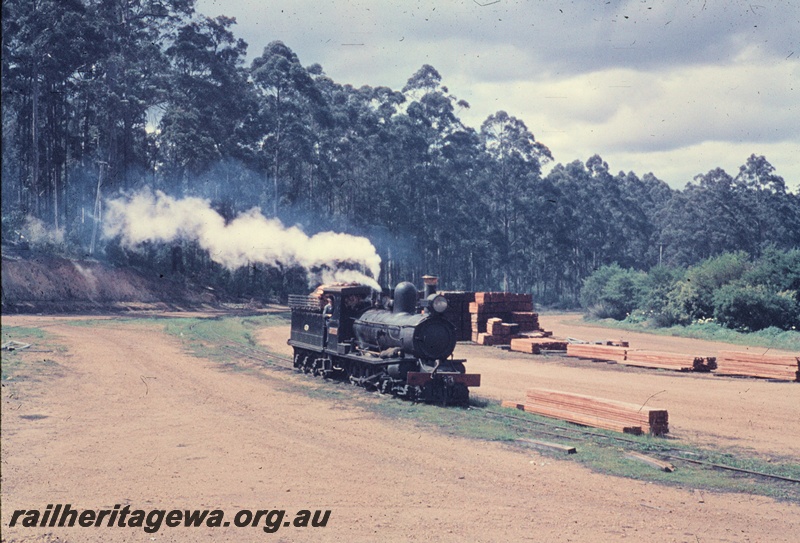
column 439, row 304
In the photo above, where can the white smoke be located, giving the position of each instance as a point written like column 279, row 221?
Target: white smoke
column 36, row 232
column 250, row 238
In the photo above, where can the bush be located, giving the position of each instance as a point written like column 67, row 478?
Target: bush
column 656, row 301
column 728, row 289
column 612, row 292
column 692, row 298
column 751, row 308
column 777, row 270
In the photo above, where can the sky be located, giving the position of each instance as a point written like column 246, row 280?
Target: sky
column 672, row 87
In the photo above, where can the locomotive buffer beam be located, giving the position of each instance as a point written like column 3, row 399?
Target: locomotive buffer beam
column 418, row 378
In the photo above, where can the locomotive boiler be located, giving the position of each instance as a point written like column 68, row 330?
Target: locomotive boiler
column 403, row 347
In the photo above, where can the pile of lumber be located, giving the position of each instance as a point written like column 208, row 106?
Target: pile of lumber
column 535, row 345
column 597, row 352
column 670, row 361
column 498, row 317
column 490, row 337
column 595, row 412
column 496, row 327
column 457, row 312
column 645, row 359
column 768, row 366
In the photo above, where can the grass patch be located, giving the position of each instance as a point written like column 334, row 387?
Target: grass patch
column 604, row 451
column 206, row 337
column 23, row 334
column 29, row 363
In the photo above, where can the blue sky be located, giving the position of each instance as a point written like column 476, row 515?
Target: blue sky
column 675, row 87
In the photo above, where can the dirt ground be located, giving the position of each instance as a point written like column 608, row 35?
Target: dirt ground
column 127, row 417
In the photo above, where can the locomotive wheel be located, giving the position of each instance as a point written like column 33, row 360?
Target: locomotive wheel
column 299, row 359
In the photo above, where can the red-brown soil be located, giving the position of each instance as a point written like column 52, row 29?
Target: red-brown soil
column 128, row 417
column 44, row 283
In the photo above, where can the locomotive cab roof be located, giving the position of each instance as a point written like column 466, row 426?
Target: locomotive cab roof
column 316, row 300
column 346, row 290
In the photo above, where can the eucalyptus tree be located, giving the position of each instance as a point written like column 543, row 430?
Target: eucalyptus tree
column 350, row 156
column 38, row 86
column 79, row 77
column 130, row 78
column 418, row 135
column 209, row 104
column 704, row 220
column 461, row 209
column 767, row 205
column 643, row 197
column 515, row 168
column 288, row 100
column 584, row 206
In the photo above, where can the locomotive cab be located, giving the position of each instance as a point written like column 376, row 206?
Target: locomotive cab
column 313, row 328
column 348, row 303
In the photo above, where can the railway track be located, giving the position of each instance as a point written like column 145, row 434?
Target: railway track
column 581, row 434
column 531, row 427
column 272, row 360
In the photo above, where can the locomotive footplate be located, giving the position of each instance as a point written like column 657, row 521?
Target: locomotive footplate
column 418, row 378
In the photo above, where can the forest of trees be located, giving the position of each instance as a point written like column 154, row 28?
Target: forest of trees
column 102, row 97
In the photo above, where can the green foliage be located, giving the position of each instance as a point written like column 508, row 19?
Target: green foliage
column 779, row 271
column 612, row 292
column 731, row 290
column 656, row 304
column 749, row 308
column 692, row 298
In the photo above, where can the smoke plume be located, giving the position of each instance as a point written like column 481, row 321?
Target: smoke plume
column 36, row 232
column 248, row 239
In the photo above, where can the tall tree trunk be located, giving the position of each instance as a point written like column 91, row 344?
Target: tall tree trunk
column 35, row 139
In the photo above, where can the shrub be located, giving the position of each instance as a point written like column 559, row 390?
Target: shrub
column 777, row 270
column 656, row 302
column 751, row 308
column 693, row 297
column 612, row 292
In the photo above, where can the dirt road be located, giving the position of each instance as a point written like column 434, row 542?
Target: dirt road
column 127, row 417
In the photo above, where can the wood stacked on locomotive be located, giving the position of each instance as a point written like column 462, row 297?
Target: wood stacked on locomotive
column 404, row 347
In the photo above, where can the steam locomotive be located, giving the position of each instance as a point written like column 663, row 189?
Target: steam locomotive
column 402, row 346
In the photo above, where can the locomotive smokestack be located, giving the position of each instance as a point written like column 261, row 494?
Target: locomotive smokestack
column 431, row 281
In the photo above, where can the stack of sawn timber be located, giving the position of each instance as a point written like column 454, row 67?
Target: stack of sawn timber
column 535, row 345
column 772, row 366
column 497, row 317
column 597, row 412
column 457, row 312
column 642, row 358
column 597, row 352
column 670, row 361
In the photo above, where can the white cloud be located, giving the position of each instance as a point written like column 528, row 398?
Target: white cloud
column 641, row 117
column 638, row 80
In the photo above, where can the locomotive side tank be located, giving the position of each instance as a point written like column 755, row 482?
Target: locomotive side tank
column 406, row 350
